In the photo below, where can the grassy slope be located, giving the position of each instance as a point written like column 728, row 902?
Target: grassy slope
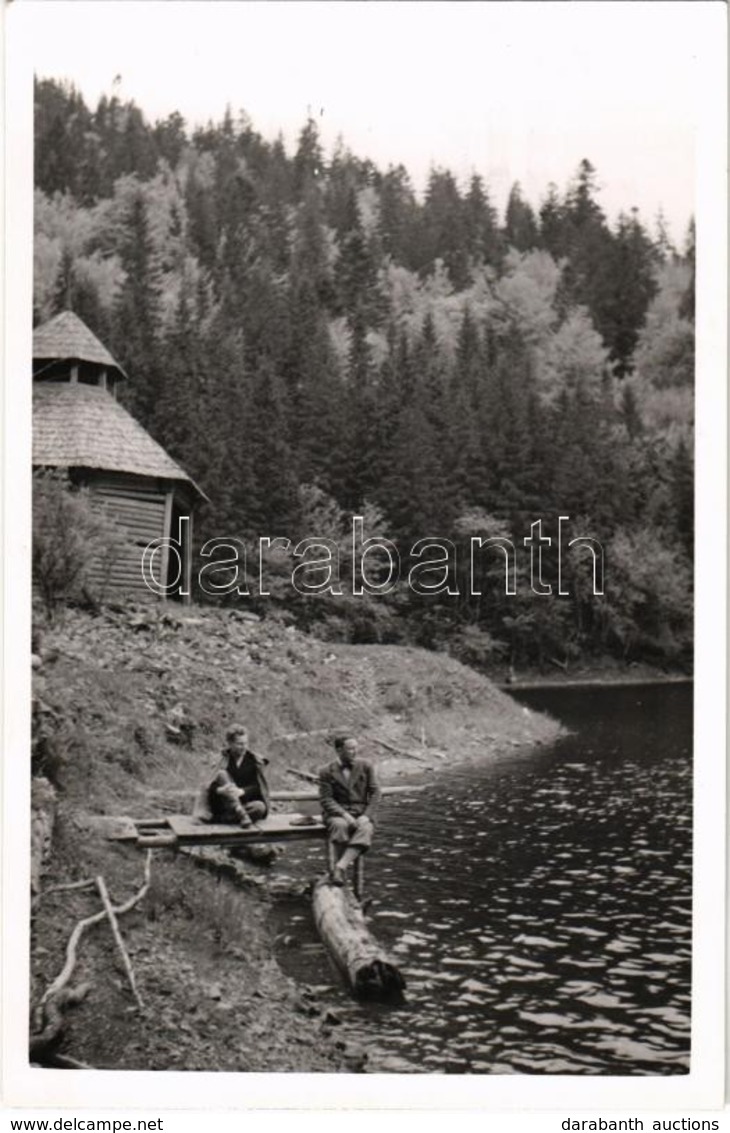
column 215, row 998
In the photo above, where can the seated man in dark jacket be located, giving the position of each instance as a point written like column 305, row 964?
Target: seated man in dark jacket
column 349, row 795
column 239, row 792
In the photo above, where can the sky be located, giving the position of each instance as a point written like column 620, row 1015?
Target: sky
column 515, row 91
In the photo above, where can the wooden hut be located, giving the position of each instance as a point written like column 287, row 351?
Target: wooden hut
column 79, row 426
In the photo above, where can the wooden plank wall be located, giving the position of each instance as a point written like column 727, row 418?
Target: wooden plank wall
column 138, row 510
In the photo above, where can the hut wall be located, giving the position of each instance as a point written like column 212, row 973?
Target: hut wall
column 137, row 507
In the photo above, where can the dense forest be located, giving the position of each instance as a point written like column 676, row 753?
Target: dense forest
column 311, row 338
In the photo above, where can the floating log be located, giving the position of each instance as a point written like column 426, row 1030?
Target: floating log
column 370, row 972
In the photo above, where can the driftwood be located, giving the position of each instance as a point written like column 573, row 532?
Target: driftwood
column 370, row 972
column 398, row 750
column 306, row 775
column 104, row 894
column 73, row 942
column 398, row 789
column 42, row 1046
column 88, row 884
column 49, row 1013
column 289, row 736
column 372, row 739
column 64, row 1062
column 313, row 796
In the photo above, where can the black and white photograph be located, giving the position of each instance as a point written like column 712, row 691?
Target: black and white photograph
column 368, row 428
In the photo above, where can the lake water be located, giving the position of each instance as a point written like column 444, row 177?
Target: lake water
column 539, row 906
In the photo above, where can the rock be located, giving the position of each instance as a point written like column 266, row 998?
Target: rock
column 139, row 622
column 214, row 991
column 43, row 813
column 35, row 661
column 305, row 1007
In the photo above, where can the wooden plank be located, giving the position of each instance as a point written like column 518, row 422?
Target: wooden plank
column 119, row 570
column 116, row 828
column 166, row 523
column 129, row 565
column 137, row 486
column 275, row 828
column 188, row 556
column 143, row 526
column 150, row 517
column 147, row 501
column 140, row 486
column 150, row 840
column 131, row 500
column 132, row 514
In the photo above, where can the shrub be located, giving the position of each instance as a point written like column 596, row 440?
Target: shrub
column 70, row 533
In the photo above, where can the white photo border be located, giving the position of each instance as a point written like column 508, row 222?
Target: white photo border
column 703, row 1086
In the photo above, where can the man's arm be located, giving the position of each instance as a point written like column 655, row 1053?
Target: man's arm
column 374, row 793
column 330, row 807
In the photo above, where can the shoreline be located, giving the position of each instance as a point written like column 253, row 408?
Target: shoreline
column 593, row 682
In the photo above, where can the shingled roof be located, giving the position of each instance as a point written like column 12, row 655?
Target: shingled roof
column 66, row 338
column 82, row 426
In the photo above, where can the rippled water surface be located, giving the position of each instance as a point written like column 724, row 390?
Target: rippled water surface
column 540, row 906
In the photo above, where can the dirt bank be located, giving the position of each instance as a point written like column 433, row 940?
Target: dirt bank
column 131, row 707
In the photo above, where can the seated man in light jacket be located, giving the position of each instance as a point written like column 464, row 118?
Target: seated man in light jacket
column 349, row 795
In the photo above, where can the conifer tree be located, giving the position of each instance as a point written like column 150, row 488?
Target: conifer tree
column 481, row 226
column 355, row 274
column 520, row 227
column 398, row 216
column 443, row 230
column 135, row 322
column 308, row 167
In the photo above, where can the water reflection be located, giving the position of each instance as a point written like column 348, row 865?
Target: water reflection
column 539, row 906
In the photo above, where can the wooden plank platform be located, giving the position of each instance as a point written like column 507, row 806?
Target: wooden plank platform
column 275, row 828
column 186, row 830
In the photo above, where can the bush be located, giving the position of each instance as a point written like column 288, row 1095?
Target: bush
column 474, row 646
column 70, row 533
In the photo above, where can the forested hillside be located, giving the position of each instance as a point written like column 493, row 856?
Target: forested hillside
column 310, row 338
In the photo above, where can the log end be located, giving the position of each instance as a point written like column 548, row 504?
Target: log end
column 380, row 980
